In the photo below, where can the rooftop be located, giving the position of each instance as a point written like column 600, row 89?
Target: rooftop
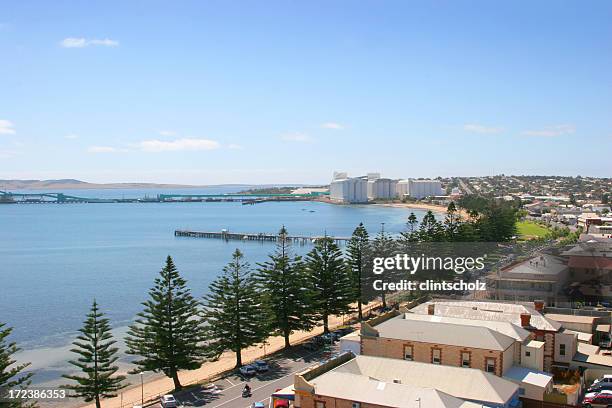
column 444, row 333
column 354, row 387
column 491, row 311
column 565, row 318
column 546, row 267
column 394, row 382
column 529, row 376
column 507, row 328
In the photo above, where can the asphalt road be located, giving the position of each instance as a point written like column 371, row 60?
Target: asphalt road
column 229, row 389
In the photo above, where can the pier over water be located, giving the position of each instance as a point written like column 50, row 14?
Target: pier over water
column 226, row 235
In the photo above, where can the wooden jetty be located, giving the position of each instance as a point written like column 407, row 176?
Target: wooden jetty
column 226, row 235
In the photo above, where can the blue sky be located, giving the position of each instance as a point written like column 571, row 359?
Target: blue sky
column 264, row 91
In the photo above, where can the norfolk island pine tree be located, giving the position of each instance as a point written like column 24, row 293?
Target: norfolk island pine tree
column 284, row 284
column 168, row 334
column 96, row 358
column 12, row 376
column 234, row 310
column 330, row 280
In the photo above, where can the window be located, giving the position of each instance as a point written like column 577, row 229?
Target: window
column 562, row 349
column 408, row 353
column 319, row 404
column 436, row 356
column 527, row 353
column 490, row 365
column 356, row 405
column 465, row 359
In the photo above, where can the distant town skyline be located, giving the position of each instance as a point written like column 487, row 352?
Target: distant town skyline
column 289, row 92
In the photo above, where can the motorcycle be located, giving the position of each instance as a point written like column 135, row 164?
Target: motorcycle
column 246, row 392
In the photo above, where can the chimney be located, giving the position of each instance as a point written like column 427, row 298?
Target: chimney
column 539, row 305
column 525, row 319
column 431, row 309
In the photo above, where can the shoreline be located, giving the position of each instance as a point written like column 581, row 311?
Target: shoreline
column 440, row 209
column 210, row 371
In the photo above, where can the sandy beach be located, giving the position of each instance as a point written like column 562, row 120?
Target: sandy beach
column 418, row 206
column 440, row 209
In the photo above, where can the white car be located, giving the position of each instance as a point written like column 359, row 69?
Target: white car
column 607, row 378
column 168, row 401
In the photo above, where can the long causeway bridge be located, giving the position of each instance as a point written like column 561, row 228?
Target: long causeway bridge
column 263, row 237
column 7, row 197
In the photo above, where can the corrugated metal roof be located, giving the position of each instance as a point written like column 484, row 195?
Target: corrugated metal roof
column 465, row 383
column 354, row 387
column 492, row 311
column 529, row 376
column 507, row 328
column 444, row 333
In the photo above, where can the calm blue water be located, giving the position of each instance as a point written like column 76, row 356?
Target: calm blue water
column 54, row 259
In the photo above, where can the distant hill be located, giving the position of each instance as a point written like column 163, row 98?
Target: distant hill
column 68, row 184
column 73, row 184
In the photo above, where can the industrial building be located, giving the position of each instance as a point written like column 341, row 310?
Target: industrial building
column 382, row 188
column 348, row 190
column 419, row 189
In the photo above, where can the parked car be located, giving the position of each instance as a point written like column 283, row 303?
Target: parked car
column 258, row 405
column 261, row 366
column 248, row 370
column 607, row 378
column 600, row 387
column 168, row 401
column 601, row 400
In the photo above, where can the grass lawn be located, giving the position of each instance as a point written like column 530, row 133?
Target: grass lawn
column 528, row 229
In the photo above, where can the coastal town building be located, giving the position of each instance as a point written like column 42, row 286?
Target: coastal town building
column 542, row 277
column 590, row 270
column 559, row 346
column 350, row 381
column 496, row 347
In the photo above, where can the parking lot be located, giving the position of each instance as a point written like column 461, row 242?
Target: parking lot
column 227, row 392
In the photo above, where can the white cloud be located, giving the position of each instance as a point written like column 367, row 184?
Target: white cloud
column 104, row 149
column 297, row 137
column 178, row 145
column 73, row 42
column 482, row 129
column 234, row 146
column 7, row 127
column 71, row 136
column 332, row 125
column 167, row 133
column 551, row 131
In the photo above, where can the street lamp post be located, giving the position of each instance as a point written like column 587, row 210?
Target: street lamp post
column 141, row 389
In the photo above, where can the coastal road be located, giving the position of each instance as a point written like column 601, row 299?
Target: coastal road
column 229, row 389
column 463, row 185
